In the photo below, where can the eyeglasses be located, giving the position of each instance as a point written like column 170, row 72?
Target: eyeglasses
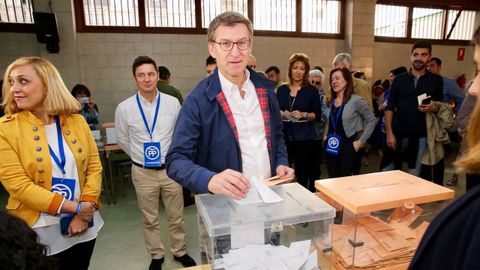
column 316, row 82
column 242, row 44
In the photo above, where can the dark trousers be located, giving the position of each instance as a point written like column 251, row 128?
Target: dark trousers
column 344, row 163
column 76, row 257
column 434, row 173
column 306, row 159
column 472, row 180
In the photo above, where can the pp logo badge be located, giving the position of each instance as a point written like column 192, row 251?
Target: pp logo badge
column 152, row 153
column 63, row 190
column 333, row 142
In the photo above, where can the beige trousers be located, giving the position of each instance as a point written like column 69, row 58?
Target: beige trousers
column 150, row 185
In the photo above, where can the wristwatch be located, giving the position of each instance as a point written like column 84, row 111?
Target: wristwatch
column 305, row 114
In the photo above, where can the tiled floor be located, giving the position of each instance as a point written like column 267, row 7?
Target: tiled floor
column 120, row 243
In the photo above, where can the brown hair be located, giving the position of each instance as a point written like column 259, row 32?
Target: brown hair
column 299, row 57
column 347, row 75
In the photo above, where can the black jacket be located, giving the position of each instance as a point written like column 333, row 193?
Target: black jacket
column 452, row 241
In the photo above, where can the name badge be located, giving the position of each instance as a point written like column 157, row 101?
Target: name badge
column 64, row 187
column 152, row 154
column 333, row 144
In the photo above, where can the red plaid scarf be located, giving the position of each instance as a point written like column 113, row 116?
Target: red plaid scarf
column 263, row 100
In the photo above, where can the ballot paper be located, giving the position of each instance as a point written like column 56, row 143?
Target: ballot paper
column 259, row 192
column 268, row 257
column 111, row 136
column 291, row 119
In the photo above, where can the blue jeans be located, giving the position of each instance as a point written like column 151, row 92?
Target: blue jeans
column 422, row 146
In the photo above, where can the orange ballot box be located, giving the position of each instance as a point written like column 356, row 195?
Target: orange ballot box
column 385, row 239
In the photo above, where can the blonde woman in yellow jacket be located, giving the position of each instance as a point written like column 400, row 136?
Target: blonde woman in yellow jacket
column 49, row 161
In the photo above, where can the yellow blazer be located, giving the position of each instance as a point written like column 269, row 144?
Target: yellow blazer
column 26, row 167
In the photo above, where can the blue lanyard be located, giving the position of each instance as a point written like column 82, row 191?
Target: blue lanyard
column 60, row 162
column 385, row 96
column 337, row 116
column 150, row 132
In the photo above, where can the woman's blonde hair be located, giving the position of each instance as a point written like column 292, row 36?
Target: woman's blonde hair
column 470, row 162
column 58, row 99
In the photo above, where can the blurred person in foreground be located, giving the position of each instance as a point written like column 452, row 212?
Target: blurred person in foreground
column 452, row 241
column 19, row 249
column 50, row 163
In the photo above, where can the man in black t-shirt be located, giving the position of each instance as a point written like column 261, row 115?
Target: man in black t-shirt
column 408, row 135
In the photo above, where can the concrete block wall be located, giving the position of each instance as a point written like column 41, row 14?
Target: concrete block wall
column 102, row 61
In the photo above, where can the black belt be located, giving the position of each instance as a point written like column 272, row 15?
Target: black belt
column 158, row 168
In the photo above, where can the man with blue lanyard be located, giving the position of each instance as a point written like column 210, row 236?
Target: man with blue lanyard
column 144, row 125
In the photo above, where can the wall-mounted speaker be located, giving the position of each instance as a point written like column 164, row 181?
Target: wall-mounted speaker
column 47, row 30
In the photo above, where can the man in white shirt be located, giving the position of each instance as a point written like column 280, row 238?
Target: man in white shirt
column 144, row 125
column 229, row 128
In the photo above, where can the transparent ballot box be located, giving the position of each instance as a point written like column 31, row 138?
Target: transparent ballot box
column 384, row 217
column 295, row 232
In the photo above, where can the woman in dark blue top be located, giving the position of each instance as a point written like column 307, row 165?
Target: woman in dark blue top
column 300, row 106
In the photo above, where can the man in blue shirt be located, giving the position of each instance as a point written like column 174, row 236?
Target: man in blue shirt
column 451, row 91
column 229, row 127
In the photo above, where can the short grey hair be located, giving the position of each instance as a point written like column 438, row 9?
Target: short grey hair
column 229, row 18
column 342, row 57
column 316, row 73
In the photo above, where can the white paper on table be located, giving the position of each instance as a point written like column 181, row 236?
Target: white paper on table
column 111, row 136
column 96, row 135
column 247, row 234
column 297, row 254
column 312, row 262
column 267, row 194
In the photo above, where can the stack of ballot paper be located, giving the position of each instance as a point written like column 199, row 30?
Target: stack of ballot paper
column 268, row 257
column 385, row 243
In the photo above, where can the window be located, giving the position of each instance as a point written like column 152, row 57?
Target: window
column 296, row 18
column 463, row 29
column 274, row 15
column 111, row 12
column 321, row 16
column 410, row 22
column 210, row 9
column 390, row 21
column 427, row 23
column 16, row 11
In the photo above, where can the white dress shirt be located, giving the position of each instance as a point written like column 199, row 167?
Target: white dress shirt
column 131, row 130
column 250, row 126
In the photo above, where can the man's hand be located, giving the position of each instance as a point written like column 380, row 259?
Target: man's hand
column 391, row 141
column 430, row 107
column 231, row 183
column 284, row 171
column 77, row 226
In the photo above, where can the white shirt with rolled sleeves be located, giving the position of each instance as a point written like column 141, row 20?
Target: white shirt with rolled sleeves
column 250, row 126
column 131, row 130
